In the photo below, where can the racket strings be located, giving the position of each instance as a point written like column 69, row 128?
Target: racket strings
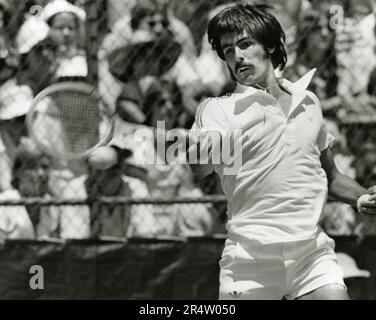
column 75, row 121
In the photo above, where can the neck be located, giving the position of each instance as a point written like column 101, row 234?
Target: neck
column 269, row 83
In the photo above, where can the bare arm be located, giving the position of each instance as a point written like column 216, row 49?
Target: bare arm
column 341, row 187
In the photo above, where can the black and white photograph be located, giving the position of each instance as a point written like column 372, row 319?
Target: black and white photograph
column 187, row 150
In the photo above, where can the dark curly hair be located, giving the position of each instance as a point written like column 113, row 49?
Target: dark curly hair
column 259, row 24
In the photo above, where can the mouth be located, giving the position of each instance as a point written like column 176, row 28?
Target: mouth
column 246, row 69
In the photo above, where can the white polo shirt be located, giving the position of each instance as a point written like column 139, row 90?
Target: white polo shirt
column 279, row 191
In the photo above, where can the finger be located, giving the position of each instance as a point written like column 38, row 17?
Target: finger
column 373, row 198
column 368, row 211
column 372, row 190
column 368, row 204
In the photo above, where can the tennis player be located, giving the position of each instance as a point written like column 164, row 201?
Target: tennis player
column 275, row 247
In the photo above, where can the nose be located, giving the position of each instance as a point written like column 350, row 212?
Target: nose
column 158, row 28
column 40, row 172
column 239, row 54
column 66, row 31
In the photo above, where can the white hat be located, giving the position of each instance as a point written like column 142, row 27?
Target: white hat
column 60, row 6
column 33, row 31
column 15, row 100
column 349, row 267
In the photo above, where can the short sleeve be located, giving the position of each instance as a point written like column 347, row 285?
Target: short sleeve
column 325, row 139
column 210, row 118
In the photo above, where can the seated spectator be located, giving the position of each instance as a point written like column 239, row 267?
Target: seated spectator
column 19, row 82
column 5, row 16
column 149, row 20
column 109, row 220
column 315, row 49
column 355, row 48
column 33, row 177
column 65, row 21
column 37, row 65
column 355, row 278
column 213, row 72
column 30, row 180
column 37, row 70
column 163, row 101
column 15, row 222
column 136, row 65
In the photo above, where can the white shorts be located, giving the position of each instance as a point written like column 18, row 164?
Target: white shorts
column 254, row 271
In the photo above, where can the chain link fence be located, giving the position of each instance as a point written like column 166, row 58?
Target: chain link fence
column 102, row 42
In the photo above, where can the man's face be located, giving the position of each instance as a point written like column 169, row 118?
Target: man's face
column 108, row 182
column 156, row 24
column 64, row 29
column 246, row 58
column 39, row 66
column 164, row 110
column 33, row 178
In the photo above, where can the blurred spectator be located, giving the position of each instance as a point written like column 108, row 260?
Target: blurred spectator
column 213, row 72
column 134, row 62
column 109, row 220
column 15, row 222
column 20, row 81
column 289, row 14
column 4, row 21
column 355, row 48
column 66, row 23
column 315, row 49
column 164, row 102
column 31, row 178
column 170, row 182
column 150, row 20
column 365, row 163
column 37, row 65
column 354, row 277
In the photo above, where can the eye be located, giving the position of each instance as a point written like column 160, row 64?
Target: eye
column 245, row 44
column 151, row 24
column 229, row 51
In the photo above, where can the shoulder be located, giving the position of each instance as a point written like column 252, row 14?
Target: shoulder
column 313, row 97
column 211, row 109
column 213, row 105
column 315, row 104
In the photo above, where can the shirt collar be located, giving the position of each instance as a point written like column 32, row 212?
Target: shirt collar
column 295, row 88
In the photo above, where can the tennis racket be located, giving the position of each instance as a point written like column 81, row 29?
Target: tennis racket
column 68, row 120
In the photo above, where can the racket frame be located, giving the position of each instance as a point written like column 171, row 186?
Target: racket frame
column 79, row 87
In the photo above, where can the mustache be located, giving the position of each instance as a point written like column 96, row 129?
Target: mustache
column 239, row 65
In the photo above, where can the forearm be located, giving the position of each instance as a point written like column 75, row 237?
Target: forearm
column 345, row 189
